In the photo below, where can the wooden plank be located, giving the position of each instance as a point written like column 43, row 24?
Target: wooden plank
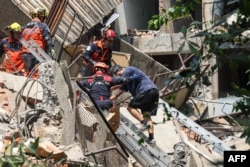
column 113, row 118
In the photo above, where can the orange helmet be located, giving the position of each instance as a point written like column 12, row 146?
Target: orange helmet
column 109, row 34
column 100, row 66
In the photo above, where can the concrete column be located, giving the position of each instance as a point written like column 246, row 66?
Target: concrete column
column 120, row 23
column 166, row 5
column 212, row 11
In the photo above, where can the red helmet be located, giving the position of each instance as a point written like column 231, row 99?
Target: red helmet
column 100, row 66
column 109, row 34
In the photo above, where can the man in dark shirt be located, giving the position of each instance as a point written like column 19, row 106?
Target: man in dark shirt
column 145, row 96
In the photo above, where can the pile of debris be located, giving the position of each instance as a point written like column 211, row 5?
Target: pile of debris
column 57, row 116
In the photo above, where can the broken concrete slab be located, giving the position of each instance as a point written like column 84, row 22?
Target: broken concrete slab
column 219, row 107
column 28, row 87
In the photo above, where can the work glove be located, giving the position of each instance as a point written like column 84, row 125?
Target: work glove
column 52, row 54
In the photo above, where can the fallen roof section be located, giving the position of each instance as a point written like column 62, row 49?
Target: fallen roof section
column 76, row 15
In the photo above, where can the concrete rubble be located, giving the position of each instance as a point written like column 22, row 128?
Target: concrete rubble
column 69, row 126
column 39, row 108
column 45, row 112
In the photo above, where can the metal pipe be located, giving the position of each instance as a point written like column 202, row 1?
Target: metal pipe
column 65, row 37
column 76, row 78
column 100, row 151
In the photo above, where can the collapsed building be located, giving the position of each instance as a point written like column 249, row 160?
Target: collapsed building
column 54, row 108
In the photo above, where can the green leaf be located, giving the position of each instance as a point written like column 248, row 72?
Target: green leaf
column 140, row 141
column 161, row 22
column 198, row 1
column 248, row 71
column 155, row 16
column 33, row 146
column 172, row 9
column 193, row 49
column 200, row 34
column 171, row 12
column 181, row 47
column 184, row 31
column 156, row 24
column 163, row 10
column 150, row 24
column 194, row 44
column 165, row 20
column 14, row 161
column 244, row 7
column 196, row 23
column 192, row 6
column 184, row 10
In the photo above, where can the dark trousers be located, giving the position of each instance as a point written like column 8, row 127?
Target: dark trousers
column 29, row 61
column 146, row 102
column 104, row 104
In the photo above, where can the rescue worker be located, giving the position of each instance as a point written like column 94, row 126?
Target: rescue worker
column 99, row 85
column 145, row 96
column 13, row 50
column 98, row 51
column 39, row 31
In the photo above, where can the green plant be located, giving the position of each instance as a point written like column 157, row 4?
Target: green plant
column 181, row 9
column 23, row 159
column 215, row 42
